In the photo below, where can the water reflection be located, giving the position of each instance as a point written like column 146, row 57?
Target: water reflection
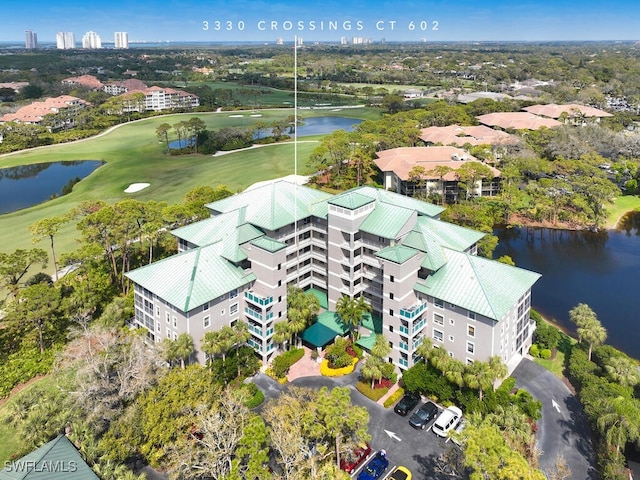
column 599, row 269
column 27, row 185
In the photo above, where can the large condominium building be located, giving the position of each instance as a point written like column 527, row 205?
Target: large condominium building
column 121, row 40
column 91, row 40
column 65, row 40
column 31, row 39
column 421, row 275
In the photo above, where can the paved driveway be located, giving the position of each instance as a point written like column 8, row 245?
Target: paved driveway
column 563, row 428
column 415, row 449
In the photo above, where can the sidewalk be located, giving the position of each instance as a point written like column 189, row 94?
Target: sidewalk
column 391, row 391
column 305, row 367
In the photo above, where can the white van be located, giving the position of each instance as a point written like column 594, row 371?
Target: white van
column 447, row 420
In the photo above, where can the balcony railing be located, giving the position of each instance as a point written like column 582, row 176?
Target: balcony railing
column 412, row 312
column 404, row 330
column 258, row 299
column 403, row 346
column 257, row 315
column 256, row 330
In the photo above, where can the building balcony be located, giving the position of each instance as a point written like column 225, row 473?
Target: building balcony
column 258, row 299
column 403, row 346
column 256, row 315
column 255, row 330
column 404, row 330
column 412, row 312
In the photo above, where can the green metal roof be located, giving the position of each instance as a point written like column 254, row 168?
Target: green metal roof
column 319, row 335
column 423, row 208
column 334, row 322
column 446, row 234
column 434, row 257
column 386, row 220
column 397, row 254
column 351, row 200
column 218, row 228
column 321, row 296
column 268, row 244
column 274, row 205
column 192, row 278
column 57, row 460
column 484, row 286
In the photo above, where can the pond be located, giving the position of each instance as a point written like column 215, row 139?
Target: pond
column 599, row 269
column 319, row 126
column 27, row 185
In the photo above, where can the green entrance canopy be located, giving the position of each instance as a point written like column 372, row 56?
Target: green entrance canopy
column 319, row 335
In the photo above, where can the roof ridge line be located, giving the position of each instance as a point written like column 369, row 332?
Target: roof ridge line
column 192, row 279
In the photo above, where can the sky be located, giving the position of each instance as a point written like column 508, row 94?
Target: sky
column 326, row 20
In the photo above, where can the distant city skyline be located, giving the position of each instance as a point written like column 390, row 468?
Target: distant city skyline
column 327, row 20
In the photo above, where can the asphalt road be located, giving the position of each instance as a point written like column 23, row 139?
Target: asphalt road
column 563, row 428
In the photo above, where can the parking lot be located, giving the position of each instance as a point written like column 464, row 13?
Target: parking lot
column 415, row 449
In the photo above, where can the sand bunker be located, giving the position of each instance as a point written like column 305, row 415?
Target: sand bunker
column 235, row 116
column 136, row 187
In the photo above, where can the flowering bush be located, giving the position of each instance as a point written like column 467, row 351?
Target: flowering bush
column 394, row 397
column 337, row 372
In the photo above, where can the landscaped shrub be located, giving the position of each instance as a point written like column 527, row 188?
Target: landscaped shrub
column 394, row 397
column 357, row 350
column 255, row 395
column 545, row 353
column 534, row 351
column 547, row 336
column 23, row 365
column 426, row 380
column 327, row 371
column 282, row 363
column 338, row 354
column 374, row 394
column 239, row 364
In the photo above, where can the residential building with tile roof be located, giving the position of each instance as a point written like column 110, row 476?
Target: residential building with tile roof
column 570, row 112
column 87, row 81
column 62, row 111
column 517, row 121
column 421, row 275
column 459, row 136
column 396, row 165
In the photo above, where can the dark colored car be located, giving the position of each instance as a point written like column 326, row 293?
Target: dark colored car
column 407, row 403
column 375, row 468
column 422, row 416
column 350, row 461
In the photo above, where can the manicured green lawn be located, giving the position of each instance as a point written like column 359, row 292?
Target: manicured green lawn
column 133, row 154
column 621, row 206
column 556, row 365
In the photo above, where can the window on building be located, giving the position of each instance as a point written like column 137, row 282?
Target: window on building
column 205, row 307
column 222, row 312
column 168, row 333
column 471, row 315
column 168, row 316
column 471, row 348
column 206, row 321
column 279, row 283
column 392, row 278
column 279, row 266
column 158, row 326
column 233, row 309
column 438, row 335
column 451, row 338
column 471, row 330
column 391, row 312
column 438, row 319
column 438, row 303
column 175, row 321
column 391, row 328
column 157, row 311
column 391, row 296
column 469, row 361
column 452, row 322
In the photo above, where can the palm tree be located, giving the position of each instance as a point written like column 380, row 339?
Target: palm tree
column 282, row 334
column 372, row 369
column 589, row 327
column 454, row 372
column 480, row 377
column 49, row 227
column 301, row 309
column 351, row 312
column 620, row 421
column 183, row 348
column 623, row 370
column 219, row 342
column 426, row 349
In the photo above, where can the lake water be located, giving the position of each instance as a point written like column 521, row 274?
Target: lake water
column 319, row 126
column 599, row 269
column 27, row 185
